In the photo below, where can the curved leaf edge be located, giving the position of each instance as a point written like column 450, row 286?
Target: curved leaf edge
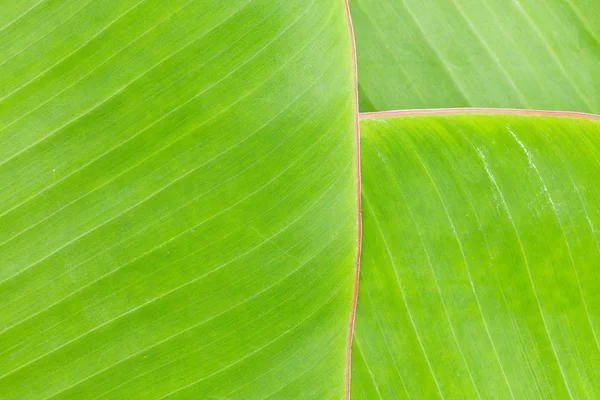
column 358, row 203
column 477, row 110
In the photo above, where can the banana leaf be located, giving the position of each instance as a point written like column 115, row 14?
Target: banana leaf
column 481, row 257
column 532, row 54
column 178, row 199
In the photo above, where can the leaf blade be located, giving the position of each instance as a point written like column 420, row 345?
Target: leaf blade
column 178, row 200
column 479, row 256
column 521, row 54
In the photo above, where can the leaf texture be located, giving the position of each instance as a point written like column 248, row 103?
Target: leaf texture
column 481, row 255
column 177, row 199
column 532, row 54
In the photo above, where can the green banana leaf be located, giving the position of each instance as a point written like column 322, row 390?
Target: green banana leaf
column 481, row 257
column 178, row 199
column 535, row 54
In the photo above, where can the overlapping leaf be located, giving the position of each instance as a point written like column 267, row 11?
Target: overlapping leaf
column 481, row 258
column 177, row 202
column 536, row 54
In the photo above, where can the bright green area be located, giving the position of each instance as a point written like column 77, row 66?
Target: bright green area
column 481, row 258
column 540, row 54
column 177, row 199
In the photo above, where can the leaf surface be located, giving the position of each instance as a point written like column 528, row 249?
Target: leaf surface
column 177, row 199
column 480, row 266
column 532, row 54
